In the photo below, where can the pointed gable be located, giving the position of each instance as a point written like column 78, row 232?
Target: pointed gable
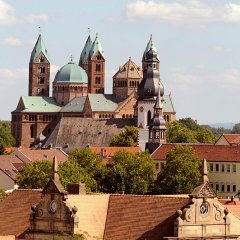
column 85, row 52
column 96, row 48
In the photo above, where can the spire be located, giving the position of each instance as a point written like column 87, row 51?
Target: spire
column 85, row 52
column 204, row 171
column 39, row 48
column 150, row 45
column 96, row 47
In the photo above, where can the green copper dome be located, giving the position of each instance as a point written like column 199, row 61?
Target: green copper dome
column 149, row 46
column 71, row 73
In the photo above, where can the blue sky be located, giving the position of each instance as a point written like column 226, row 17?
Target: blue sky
column 198, row 44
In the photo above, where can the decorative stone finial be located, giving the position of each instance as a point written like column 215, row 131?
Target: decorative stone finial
column 55, row 169
column 204, row 171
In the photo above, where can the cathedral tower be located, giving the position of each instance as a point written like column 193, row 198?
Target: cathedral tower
column 83, row 61
column 148, row 89
column 149, row 46
column 39, row 70
column 96, row 68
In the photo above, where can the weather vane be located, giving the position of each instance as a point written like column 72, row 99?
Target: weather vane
column 71, row 58
column 89, row 31
column 40, row 30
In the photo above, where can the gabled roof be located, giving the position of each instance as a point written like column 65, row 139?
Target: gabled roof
column 15, row 211
column 75, row 105
column 32, row 104
column 102, row 102
column 38, row 49
column 232, row 205
column 168, row 105
column 210, row 152
column 41, row 154
column 10, row 165
column 96, row 47
column 129, row 70
column 232, row 138
column 85, row 52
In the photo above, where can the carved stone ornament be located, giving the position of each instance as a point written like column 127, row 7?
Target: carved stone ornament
column 218, row 214
column 204, row 191
column 189, row 211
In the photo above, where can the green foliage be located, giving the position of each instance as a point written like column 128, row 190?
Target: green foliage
column 131, row 173
column 181, row 173
column 187, row 130
column 127, row 138
column 34, row 175
column 6, row 138
column 236, row 128
column 3, row 194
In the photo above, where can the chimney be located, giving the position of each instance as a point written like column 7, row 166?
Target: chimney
column 76, row 188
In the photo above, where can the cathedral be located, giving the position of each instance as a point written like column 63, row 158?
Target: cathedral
column 79, row 113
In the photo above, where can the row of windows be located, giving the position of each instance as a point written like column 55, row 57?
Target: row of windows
column 41, row 60
column 217, row 167
column 70, row 88
column 221, row 187
column 125, row 84
column 98, row 80
column 41, row 80
column 98, row 67
column 41, row 70
column 35, row 118
column 40, row 91
column 106, row 115
column 127, row 116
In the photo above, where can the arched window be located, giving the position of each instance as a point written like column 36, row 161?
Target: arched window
column 148, row 117
column 32, row 131
column 98, row 67
column 123, row 116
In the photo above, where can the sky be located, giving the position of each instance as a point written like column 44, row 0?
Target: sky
column 198, row 43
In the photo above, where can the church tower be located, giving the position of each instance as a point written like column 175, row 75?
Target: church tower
column 157, row 125
column 149, row 46
column 83, row 61
column 96, row 68
column 39, row 70
column 148, row 89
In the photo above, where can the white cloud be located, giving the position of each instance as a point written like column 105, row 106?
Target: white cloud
column 229, row 79
column 190, row 12
column 11, row 41
column 7, row 16
column 220, row 49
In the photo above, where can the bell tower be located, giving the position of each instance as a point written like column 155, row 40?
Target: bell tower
column 39, row 70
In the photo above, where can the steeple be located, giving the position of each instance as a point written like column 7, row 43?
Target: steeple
column 96, row 68
column 39, row 70
column 150, row 45
column 83, row 61
column 157, row 125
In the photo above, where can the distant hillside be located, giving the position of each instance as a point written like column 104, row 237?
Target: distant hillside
column 224, row 125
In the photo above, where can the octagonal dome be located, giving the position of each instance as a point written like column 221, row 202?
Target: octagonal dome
column 71, row 73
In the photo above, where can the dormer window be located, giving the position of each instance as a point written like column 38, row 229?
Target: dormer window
column 41, row 60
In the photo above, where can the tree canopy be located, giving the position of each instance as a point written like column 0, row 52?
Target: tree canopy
column 186, row 130
column 128, row 138
column 6, row 138
column 181, row 173
column 236, row 128
column 131, row 173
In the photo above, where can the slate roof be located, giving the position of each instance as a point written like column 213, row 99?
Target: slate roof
column 210, row 152
column 142, row 217
column 96, row 47
column 73, row 133
column 168, row 105
column 41, row 154
column 129, row 70
column 35, row 104
column 15, row 211
column 76, row 105
column 85, row 52
column 102, row 102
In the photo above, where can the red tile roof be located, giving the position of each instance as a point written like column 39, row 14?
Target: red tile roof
column 232, row 206
column 15, row 211
column 232, row 138
column 141, row 217
column 44, row 154
column 107, row 151
column 10, row 165
column 221, row 153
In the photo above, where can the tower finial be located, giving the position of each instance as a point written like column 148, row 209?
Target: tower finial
column 96, row 35
column 39, row 30
column 71, row 58
column 55, row 169
column 89, row 31
column 204, row 171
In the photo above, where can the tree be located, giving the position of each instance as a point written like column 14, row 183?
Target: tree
column 6, row 138
column 181, row 173
column 131, row 173
column 3, row 194
column 236, row 128
column 128, row 138
column 187, row 130
column 34, row 175
column 178, row 133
